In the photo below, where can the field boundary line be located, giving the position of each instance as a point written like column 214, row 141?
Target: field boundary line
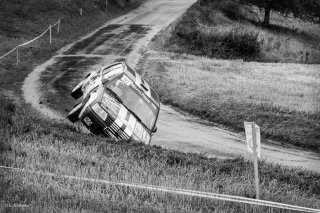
column 187, row 192
column 28, row 42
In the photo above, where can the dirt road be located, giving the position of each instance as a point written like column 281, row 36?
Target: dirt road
column 125, row 38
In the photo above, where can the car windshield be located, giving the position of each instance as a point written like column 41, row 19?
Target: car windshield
column 135, row 100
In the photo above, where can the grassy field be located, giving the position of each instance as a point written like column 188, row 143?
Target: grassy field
column 28, row 141
column 230, row 30
column 39, row 145
column 282, row 98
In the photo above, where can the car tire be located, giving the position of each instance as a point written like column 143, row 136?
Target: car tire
column 77, row 92
column 73, row 115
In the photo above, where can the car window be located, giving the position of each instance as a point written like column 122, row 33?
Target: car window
column 135, row 100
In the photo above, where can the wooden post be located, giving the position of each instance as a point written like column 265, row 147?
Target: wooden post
column 255, row 160
column 17, row 56
column 50, row 34
column 58, row 28
column 307, row 58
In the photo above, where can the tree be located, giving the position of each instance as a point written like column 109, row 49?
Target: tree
column 267, row 10
column 304, row 9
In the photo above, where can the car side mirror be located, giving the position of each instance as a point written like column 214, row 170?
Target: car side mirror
column 154, row 129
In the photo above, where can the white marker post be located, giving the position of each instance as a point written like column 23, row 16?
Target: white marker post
column 17, row 56
column 50, row 34
column 253, row 144
column 58, row 28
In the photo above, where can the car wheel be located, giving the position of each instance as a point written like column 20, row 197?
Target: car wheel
column 73, row 115
column 77, row 92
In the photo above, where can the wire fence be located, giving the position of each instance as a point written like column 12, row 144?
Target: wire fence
column 49, row 29
column 186, row 192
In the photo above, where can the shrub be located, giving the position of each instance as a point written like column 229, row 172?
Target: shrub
column 234, row 44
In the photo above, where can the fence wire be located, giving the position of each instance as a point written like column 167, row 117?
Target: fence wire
column 28, row 42
column 187, row 192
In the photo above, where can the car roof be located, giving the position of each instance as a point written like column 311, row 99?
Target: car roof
column 139, row 81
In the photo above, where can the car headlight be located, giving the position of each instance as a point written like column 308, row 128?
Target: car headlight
column 146, row 138
column 100, row 111
column 140, row 134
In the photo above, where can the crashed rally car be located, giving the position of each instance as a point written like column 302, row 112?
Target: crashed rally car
column 116, row 103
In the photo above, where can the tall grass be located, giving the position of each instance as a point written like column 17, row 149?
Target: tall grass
column 39, row 145
column 61, row 149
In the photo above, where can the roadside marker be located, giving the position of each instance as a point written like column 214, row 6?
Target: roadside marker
column 50, row 34
column 58, row 28
column 253, row 144
column 17, row 56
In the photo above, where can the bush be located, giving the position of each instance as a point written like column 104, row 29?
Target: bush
column 245, row 43
column 187, row 28
column 235, row 44
column 232, row 11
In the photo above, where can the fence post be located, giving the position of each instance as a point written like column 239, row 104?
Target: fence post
column 307, row 58
column 80, row 11
column 50, row 34
column 58, row 28
column 255, row 159
column 17, row 56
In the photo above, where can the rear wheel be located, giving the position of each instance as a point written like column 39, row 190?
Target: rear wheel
column 73, row 115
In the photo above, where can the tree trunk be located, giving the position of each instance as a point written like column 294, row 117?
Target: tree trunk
column 267, row 11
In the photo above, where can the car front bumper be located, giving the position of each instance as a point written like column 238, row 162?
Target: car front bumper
column 107, row 128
